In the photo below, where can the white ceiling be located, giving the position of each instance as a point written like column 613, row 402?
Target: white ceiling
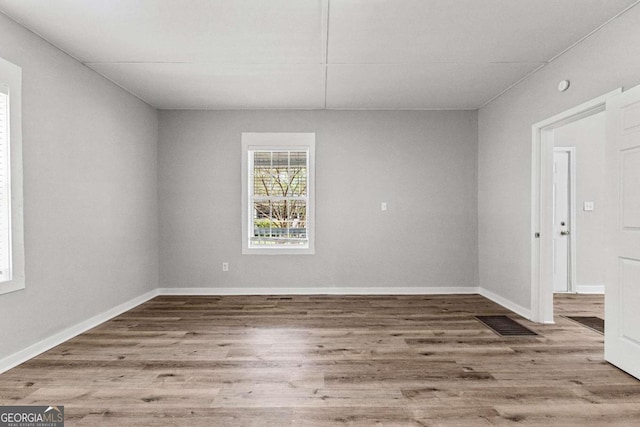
column 356, row 54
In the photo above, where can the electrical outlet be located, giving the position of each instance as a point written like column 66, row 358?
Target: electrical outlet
column 383, row 206
column 225, row 266
column 589, row 206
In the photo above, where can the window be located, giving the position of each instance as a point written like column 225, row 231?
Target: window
column 5, row 188
column 278, row 193
column 11, row 235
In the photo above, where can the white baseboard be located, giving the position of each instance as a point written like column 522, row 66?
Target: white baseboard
column 510, row 305
column 590, row 289
column 65, row 335
column 386, row 290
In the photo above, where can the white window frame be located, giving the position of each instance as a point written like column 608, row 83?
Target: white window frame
column 11, row 82
column 290, row 141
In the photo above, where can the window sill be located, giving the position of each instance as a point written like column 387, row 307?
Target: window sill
column 278, row 251
column 17, row 284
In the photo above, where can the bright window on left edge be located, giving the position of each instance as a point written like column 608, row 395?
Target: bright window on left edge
column 5, row 188
column 12, row 276
column 278, row 190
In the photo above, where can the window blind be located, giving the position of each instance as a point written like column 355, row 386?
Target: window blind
column 279, row 182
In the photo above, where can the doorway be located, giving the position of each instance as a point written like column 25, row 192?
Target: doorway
column 547, row 135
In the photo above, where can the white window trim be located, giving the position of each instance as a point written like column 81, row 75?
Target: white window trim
column 11, row 78
column 279, row 141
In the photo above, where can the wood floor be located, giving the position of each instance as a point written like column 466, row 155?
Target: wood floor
column 329, row 360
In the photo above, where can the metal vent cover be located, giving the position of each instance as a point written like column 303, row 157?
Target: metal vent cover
column 591, row 322
column 505, row 326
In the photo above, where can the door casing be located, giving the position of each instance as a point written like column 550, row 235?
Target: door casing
column 542, row 205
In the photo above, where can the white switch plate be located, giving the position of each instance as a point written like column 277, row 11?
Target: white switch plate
column 225, row 266
column 588, row 206
column 383, row 206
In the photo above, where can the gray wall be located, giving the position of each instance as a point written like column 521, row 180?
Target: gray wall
column 588, row 138
column 90, row 193
column 605, row 61
column 423, row 164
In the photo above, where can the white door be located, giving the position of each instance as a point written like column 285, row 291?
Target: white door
column 622, row 286
column 561, row 217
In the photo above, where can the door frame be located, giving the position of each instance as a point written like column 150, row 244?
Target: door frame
column 573, row 273
column 542, row 205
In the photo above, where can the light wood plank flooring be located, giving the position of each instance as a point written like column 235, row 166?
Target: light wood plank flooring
column 329, row 360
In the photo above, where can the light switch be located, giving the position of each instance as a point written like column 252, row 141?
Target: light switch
column 383, row 206
column 588, row 206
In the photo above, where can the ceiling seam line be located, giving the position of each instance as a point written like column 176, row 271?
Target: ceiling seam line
column 567, row 50
column 326, row 56
column 49, row 42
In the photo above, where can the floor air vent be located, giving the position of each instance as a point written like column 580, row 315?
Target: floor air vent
column 505, row 327
column 591, row 322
